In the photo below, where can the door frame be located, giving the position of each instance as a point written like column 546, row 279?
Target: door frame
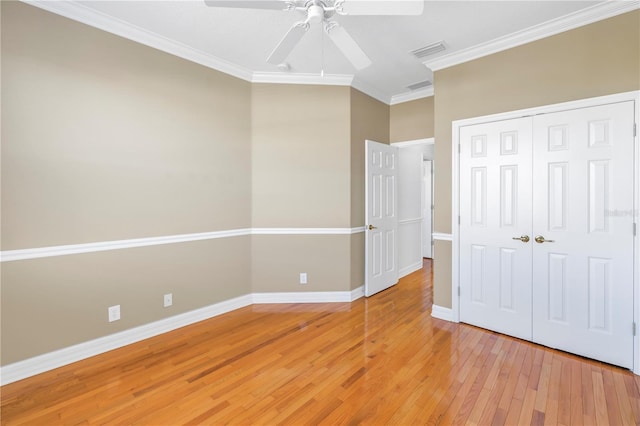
column 455, row 198
column 427, row 208
column 412, row 143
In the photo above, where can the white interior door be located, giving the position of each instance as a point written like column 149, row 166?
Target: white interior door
column 381, row 217
column 583, row 197
column 495, row 212
column 427, row 209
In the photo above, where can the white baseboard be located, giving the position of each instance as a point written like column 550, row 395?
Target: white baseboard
column 357, row 293
column 409, row 269
column 39, row 364
column 30, row 367
column 309, row 297
column 442, row 313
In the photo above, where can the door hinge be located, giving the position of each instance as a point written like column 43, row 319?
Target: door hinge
column 634, row 328
column 634, row 229
column 459, row 151
column 635, row 129
column 458, row 291
column 458, row 220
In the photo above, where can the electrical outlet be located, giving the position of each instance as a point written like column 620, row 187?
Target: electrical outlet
column 303, row 277
column 168, row 300
column 114, row 313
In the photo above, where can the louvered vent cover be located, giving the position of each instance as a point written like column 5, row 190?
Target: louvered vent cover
column 419, row 85
column 430, row 49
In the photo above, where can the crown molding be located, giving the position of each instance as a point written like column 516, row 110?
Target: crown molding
column 295, row 78
column 370, row 90
column 104, row 22
column 555, row 26
column 85, row 15
column 412, row 96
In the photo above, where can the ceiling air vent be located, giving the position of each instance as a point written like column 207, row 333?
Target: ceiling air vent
column 420, row 85
column 428, row 50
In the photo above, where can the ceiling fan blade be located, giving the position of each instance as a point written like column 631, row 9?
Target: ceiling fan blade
column 380, row 7
column 252, row 4
column 348, row 46
column 288, row 42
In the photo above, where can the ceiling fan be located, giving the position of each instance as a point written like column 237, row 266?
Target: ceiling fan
column 321, row 11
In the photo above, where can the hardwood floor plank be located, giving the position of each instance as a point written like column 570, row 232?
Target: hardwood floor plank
column 610, row 394
column 564, row 401
column 577, row 412
column 599, row 399
column 379, row 360
column 626, row 412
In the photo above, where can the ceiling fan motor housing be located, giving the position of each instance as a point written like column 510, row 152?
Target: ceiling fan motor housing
column 315, row 14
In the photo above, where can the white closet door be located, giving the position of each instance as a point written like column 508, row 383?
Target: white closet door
column 583, row 202
column 495, row 208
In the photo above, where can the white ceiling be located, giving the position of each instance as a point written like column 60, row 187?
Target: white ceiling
column 238, row 41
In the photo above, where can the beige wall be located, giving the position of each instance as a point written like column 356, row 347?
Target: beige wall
column 598, row 59
column 308, row 172
column 369, row 121
column 412, row 120
column 301, row 179
column 300, row 156
column 129, row 142
column 277, row 261
column 105, row 139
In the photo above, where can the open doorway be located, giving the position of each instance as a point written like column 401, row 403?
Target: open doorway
column 415, row 204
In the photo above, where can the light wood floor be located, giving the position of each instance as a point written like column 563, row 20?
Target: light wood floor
column 381, row 360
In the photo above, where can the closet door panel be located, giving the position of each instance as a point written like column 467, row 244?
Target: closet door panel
column 583, row 269
column 495, row 200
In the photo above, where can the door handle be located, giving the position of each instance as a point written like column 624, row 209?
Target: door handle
column 371, row 227
column 540, row 239
column 524, row 238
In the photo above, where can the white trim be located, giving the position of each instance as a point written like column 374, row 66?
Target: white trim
column 370, row 90
column 35, row 253
column 416, row 142
column 442, row 313
column 412, row 96
column 307, row 231
column 293, row 78
column 410, row 269
column 442, row 236
column 357, row 293
column 306, row 297
column 39, row 364
column 455, row 188
column 555, row 26
column 636, row 278
column 410, row 221
column 546, row 109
